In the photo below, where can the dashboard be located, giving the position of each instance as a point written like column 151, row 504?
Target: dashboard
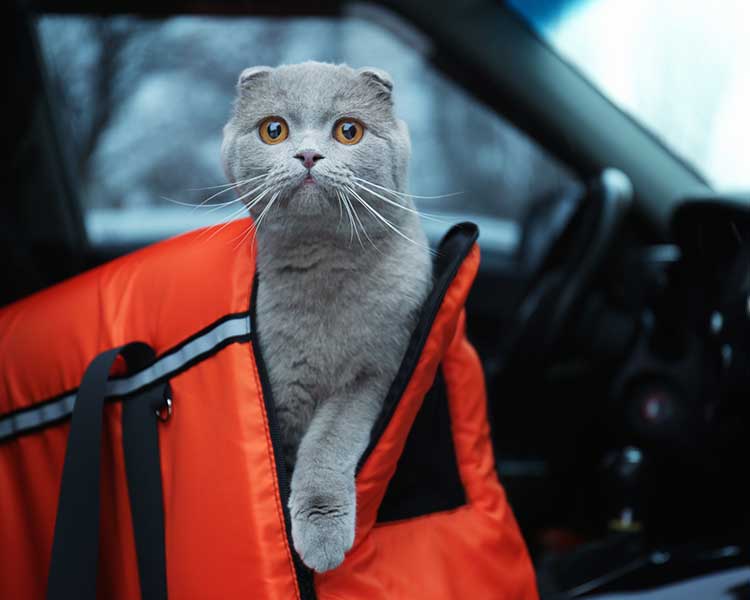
column 714, row 237
column 682, row 395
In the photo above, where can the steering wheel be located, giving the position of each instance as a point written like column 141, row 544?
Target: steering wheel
column 565, row 240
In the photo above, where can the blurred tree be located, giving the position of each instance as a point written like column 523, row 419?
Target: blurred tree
column 147, row 100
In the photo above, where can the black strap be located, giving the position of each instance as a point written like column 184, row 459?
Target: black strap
column 75, row 548
column 140, row 440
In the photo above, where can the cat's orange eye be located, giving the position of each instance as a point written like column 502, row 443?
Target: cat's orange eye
column 273, row 130
column 348, row 131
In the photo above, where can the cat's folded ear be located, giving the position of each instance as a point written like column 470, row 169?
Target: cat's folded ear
column 379, row 80
column 251, row 75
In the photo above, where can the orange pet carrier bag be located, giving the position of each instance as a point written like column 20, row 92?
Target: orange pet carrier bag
column 139, row 455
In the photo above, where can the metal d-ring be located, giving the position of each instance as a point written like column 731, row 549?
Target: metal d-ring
column 163, row 415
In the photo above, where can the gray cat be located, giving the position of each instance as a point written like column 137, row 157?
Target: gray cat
column 343, row 269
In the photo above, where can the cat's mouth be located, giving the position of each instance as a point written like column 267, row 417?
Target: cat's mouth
column 309, row 180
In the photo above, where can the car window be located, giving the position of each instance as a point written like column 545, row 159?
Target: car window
column 143, row 102
column 678, row 66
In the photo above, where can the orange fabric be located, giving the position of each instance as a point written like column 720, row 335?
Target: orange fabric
column 473, row 552
column 224, row 527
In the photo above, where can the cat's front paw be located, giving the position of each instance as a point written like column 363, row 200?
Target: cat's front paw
column 323, row 526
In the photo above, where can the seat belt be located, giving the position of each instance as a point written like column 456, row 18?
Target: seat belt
column 75, row 548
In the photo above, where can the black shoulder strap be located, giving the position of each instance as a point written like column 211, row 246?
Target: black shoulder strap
column 75, row 548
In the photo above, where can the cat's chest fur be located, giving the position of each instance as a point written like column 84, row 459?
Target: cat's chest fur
column 329, row 320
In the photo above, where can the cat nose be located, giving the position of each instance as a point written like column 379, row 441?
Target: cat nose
column 308, row 158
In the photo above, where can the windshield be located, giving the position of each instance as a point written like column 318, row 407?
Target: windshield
column 143, row 102
column 680, row 67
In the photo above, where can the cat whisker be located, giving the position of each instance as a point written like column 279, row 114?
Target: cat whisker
column 250, row 193
column 234, row 187
column 243, row 235
column 256, row 224
column 248, row 206
column 257, row 199
column 424, row 215
column 356, row 229
column 341, row 209
column 215, row 207
column 212, row 187
column 212, row 208
column 225, row 222
column 190, row 205
column 407, row 195
column 387, row 223
column 348, row 208
column 224, row 185
column 230, row 218
column 253, row 222
column 239, row 198
column 228, row 187
column 364, row 230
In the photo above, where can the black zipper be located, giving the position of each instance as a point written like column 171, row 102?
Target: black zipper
column 452, row 251
column 303, row 573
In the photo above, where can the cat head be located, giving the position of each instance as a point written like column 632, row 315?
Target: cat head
column 310, row 137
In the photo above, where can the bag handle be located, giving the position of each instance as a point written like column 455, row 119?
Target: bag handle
column 75, row 548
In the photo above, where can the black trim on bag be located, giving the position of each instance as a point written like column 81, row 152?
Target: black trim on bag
column 302, row 572
column 452, row 251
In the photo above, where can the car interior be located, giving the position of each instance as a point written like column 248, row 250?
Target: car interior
column 614, row 328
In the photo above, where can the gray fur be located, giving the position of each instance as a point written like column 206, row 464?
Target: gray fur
column 334, row 317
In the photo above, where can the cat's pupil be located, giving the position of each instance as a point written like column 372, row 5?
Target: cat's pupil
column 349, row 130
column 274, row 129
